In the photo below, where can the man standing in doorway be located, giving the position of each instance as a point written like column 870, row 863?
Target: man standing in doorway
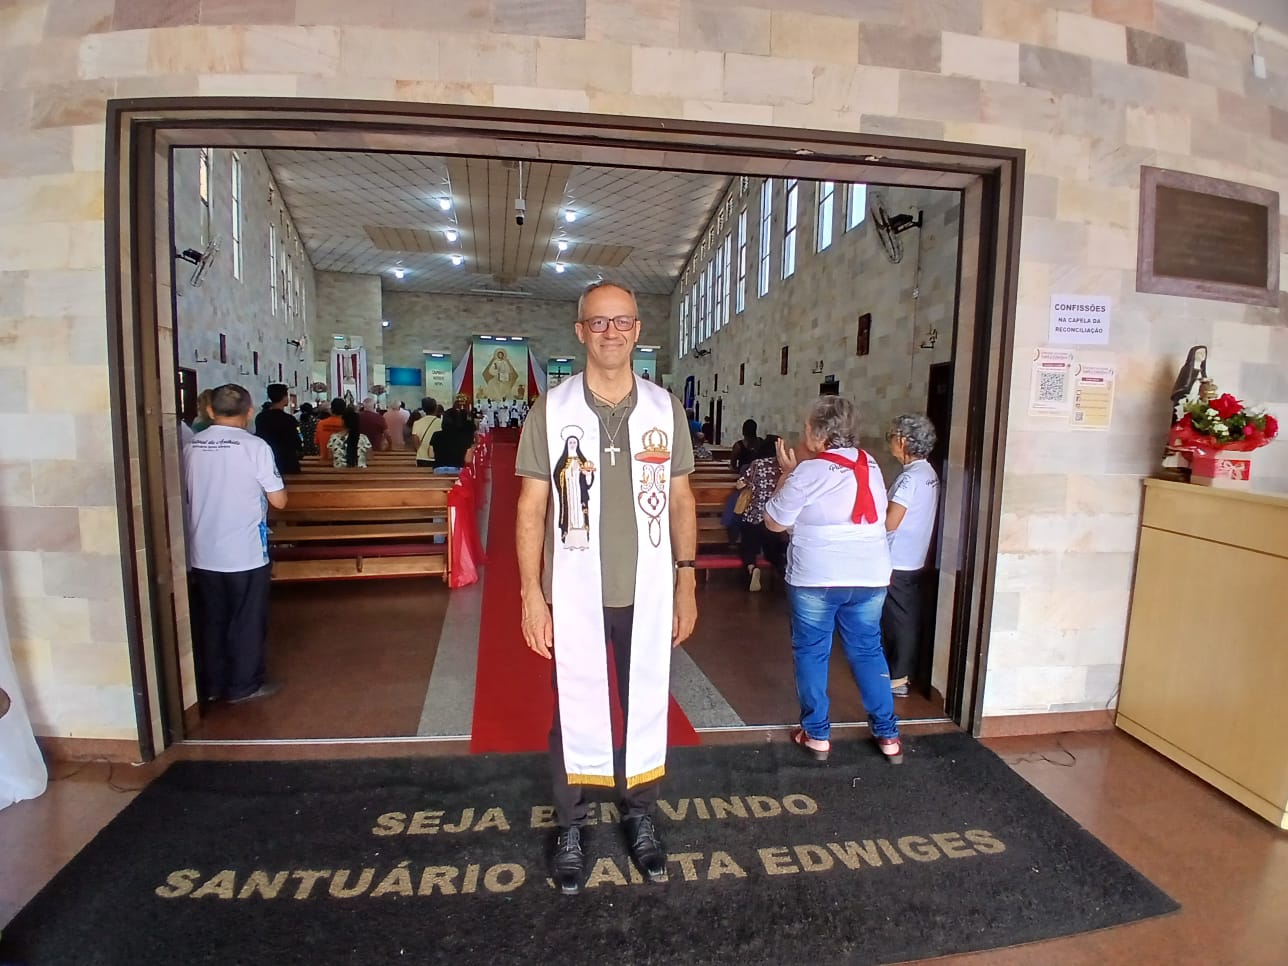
column 231, row 480
column 604, row 453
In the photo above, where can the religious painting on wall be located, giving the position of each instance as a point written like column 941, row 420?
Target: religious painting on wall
column 500, row 370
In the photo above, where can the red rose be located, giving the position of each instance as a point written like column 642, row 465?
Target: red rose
column 1249, row 429
column 1272, row 427
column 1187, row 421
column 1226, row 406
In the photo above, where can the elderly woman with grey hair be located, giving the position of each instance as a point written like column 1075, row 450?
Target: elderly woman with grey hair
column 832, row 499
column 910, row 524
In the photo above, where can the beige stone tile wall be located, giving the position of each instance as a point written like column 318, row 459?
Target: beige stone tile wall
column 1068, row 81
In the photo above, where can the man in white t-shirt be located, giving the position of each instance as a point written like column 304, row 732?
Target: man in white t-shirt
column 231, row 479
column 910, row 524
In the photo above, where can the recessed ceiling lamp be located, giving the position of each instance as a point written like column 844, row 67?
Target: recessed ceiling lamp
column 451, row 234
column 458, row 259
column 445, row 204
column 570, row 216
column 562, row 246
column 559, row 267
column 399, row 272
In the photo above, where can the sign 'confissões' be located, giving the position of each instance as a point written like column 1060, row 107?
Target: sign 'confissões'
column 1080, row 319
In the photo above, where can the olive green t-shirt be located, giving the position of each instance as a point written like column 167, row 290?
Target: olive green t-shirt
column 617, row 547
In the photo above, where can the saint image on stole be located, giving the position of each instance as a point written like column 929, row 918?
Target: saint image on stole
column 573, row 477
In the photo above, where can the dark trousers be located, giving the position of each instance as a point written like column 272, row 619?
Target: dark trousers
column 234, row 630
column 757, row 540
column 901, row 622
column 570, row 800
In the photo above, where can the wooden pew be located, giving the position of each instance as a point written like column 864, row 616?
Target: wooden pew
column 365, row 528
column 714, row 552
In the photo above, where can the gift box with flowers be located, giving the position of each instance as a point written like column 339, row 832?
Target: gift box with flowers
column 1217, row 435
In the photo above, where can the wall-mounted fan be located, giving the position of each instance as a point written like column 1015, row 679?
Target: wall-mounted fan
column 200, row 259
column 889, row 227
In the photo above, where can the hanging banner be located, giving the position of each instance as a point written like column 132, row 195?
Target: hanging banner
column 438, row 376
column 557, row 370
column 500, row 370
column 348, row 375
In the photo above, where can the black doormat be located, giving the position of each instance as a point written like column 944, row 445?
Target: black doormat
column 773, row 859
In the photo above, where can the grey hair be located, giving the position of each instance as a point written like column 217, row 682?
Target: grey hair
column 916, row 431
column 835, row 420
column 604, row 283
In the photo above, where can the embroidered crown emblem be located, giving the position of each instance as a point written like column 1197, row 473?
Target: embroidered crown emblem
column 656, row 447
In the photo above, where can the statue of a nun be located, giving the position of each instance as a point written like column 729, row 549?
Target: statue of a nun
column 1189, row 380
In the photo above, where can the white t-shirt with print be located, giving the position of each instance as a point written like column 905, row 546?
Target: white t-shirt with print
column 917, row 490
column 827, row 548
column 228, row 471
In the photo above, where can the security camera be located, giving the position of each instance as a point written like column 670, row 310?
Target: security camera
column 520, row 209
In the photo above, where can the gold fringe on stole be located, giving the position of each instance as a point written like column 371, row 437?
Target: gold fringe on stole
column 649, row 776
column 605, row 781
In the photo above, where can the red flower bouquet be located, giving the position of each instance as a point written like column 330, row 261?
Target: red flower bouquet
column 1224, row 423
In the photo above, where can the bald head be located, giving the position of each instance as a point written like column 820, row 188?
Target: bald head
column 602, row 284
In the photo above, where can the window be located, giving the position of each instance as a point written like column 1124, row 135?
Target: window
column 717, row 291
column 742, row 372
column 237, row 217
column 684, row 324
column 700, row 323
column 858, row 208
column 740, row 293
column 203, row 192
column 782, row 362
column 693, row 314
column 272, row 269
column 708, row 301
column 826, row 193
column 728, row 280
column 766, row 216
column 793, row 186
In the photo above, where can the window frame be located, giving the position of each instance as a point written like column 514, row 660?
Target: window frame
column 740, row 293
column 857, row 190
column 766, row 230
column 238, row 267
column 791, row 224
column 824, row 226
column 272, row 269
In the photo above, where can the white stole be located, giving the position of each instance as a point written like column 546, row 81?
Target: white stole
column 573, row 434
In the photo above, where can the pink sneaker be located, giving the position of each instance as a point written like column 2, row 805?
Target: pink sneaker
column 892, row 748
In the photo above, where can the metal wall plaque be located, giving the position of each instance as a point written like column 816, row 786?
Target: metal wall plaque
column 1207, row 238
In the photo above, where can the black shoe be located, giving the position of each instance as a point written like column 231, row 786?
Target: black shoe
column 265, row 690
column 646, row 848
column 568, row 861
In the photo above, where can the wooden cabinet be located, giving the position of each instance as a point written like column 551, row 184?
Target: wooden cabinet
column 1205, row 676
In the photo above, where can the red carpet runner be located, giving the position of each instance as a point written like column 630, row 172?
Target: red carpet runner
column 513, row 701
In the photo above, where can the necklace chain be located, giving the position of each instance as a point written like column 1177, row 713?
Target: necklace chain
column 612, row 433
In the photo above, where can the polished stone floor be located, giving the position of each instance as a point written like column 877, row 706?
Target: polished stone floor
column 1227, row 867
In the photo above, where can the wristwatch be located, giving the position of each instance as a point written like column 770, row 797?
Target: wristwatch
column 685, row 563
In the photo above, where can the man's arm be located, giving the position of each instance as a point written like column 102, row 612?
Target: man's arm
column 277, row 499
column 530, row 540
column 684, row 545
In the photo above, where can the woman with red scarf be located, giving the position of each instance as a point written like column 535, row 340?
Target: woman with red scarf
column 832, row 500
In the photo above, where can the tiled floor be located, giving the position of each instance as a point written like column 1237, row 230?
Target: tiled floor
column 1227, row 868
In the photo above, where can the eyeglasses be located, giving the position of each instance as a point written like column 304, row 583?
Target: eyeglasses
column 599, row 323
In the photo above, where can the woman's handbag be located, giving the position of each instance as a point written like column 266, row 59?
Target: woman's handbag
column 743, row 502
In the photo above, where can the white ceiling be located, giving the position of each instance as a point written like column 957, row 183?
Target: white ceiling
column 334, row 196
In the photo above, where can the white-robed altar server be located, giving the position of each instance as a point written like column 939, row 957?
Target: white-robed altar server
column 605, row 453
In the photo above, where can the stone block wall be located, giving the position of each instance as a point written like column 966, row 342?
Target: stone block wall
column 815, row 314
column 241, row 310
column 1090, row 89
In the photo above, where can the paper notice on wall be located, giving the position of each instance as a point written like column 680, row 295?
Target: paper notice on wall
column 1093, row 397
column 1051, row 391
column 1080, row 319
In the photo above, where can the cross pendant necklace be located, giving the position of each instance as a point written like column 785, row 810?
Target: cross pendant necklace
column 612, row 449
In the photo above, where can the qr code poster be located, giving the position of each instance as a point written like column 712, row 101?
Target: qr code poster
column 1051, row 391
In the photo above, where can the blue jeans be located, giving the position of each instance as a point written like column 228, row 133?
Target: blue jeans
column 817, row 612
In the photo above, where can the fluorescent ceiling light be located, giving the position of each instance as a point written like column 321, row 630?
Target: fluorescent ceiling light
column 457, row 259
column 445, row 204
column 486, row 338
column 559, row 267
column 451, row 234
column 570, row 216
column 562, row 245
column 399, row 272
column 646, row 350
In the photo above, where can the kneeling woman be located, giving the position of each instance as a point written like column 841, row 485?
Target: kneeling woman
column 832, row 499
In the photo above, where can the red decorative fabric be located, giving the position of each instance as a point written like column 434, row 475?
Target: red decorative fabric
column 865, row 507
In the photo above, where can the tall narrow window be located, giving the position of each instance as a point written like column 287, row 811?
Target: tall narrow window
column 858, row 207
column 823, row 233
column 740, row 293
column 684, row 324
column 718, row 289
column 708, row 301
column 272, row 269
column 790, row 202
column 693, row 313
column 766, row 217
column 203, row 192
column 237, row 217
column 701, row 322
column 728, row 279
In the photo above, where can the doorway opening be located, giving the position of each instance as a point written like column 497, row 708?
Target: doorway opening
column 147, row 136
